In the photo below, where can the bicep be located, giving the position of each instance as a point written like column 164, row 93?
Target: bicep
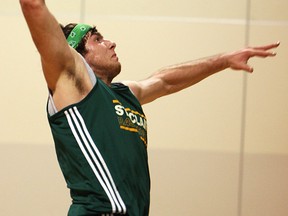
column 148, row 90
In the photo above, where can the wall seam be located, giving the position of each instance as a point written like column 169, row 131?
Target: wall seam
column 243, row 117
column 82, row 10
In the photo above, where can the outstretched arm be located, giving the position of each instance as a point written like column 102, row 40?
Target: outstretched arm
column 174, row 78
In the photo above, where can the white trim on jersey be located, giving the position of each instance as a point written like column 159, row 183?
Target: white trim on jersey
column 95, row 159
column 51, row 105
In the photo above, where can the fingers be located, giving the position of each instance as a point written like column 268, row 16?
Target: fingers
column 247, row 68
column 238, row 60
column 267, row 47
column 261, row 53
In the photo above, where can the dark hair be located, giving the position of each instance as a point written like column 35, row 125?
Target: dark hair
column 81, row 47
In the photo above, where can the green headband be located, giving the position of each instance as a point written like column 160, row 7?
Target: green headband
column 76, row 35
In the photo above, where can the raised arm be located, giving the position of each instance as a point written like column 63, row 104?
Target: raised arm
column 174, row 78
column 56, row 56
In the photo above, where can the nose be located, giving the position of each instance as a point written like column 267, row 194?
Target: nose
column 111, row 44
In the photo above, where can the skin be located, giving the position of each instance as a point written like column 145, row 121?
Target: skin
column 102, row 58
column 66, row 74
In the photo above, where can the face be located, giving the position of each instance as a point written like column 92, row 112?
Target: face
column 102, row 58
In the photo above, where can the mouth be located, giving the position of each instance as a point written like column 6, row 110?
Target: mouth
column 114, row 56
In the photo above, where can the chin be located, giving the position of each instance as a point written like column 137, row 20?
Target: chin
column 115, row 70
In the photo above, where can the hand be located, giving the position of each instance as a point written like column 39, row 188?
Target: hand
column 238, row 60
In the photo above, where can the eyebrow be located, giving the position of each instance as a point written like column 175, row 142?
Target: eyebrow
column 96, row 34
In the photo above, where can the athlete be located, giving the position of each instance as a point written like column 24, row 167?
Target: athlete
column 99, row 127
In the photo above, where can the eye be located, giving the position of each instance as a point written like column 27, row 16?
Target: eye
column 98, row 39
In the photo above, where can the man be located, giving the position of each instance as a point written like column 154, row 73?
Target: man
column 98, row 126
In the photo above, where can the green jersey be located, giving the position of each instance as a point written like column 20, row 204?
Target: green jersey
column 101, row 146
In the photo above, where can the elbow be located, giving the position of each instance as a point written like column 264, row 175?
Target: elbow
column 167, row 86
column 31, row 4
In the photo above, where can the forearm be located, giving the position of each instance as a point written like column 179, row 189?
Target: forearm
column 177, row 77
column 174, row 78
column 56, row 56
column 43, row 26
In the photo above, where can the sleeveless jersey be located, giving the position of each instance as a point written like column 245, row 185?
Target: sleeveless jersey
column 101, row 147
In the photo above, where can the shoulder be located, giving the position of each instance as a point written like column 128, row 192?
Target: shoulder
column 135, row 88
column 146, row 90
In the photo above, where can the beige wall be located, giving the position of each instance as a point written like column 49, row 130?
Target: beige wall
column 218, row 148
